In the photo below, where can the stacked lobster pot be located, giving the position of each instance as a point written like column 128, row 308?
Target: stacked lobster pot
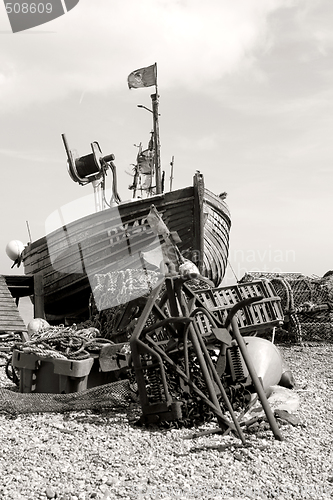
column 307, row 303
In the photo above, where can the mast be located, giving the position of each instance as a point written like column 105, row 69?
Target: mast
column 136, row 173
column 157, row 145
column 147, row 77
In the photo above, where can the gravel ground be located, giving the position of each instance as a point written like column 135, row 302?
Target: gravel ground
column 83, row 455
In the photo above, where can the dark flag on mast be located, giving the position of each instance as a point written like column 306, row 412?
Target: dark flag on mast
column 143, row 77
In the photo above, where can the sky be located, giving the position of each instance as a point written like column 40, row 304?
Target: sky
column 246, row 98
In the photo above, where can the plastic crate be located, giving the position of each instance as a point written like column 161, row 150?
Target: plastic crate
column 51, row 375
column 261, row 316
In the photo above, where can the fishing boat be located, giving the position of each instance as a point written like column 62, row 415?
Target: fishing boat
column 118, row 237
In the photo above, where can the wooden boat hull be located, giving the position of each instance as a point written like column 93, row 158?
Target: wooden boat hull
column 113, row 239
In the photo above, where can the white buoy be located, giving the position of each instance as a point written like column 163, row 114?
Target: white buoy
column 37, row 325
column 188, row 267
column 14, row 249
column 267, row 360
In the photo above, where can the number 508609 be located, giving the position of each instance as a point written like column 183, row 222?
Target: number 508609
column 32, row 8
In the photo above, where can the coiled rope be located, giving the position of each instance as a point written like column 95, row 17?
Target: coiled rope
column 64, row 343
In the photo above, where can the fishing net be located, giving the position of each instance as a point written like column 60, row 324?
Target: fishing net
column 65, row 344
column 307, row 303
column 105, row 397
column 119, row 287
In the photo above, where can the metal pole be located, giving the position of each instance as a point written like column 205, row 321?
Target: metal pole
column 157, row 147
column 255, row 379
column 171, row 173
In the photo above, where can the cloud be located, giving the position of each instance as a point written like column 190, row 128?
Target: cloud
column 32, row 156
column 96, row 45
column 202, row 144
column 314, row 22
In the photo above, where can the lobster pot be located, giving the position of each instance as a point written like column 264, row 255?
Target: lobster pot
column 317, row 332
column 298, row 294
column 292, row 292
column 256, row 318
column 316, row 327
column 296, row 289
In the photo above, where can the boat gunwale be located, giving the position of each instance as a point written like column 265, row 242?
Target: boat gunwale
column 211, row 200
column 124, row 205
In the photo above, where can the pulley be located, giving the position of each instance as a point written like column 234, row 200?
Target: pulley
column 88, row 168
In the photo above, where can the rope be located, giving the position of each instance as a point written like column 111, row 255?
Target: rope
column 64, row 343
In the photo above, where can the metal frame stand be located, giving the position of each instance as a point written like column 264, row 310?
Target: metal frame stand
column 150, row 356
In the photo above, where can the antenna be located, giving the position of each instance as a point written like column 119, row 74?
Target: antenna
column 171, row 173
column 29, row 231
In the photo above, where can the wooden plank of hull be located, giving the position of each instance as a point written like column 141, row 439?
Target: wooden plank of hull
column 96, row 254
column 216, row 236
column 92, row 226
column 98, row 242
column 215, row 255
column 89, row 227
